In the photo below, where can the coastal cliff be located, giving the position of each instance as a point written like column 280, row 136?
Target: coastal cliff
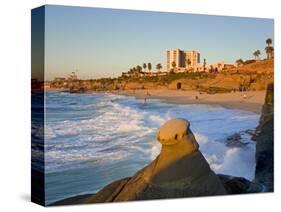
column 265, row 143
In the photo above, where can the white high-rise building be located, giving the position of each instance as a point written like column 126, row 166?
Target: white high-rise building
column 182, row 59
column 192, row 59
column 175, row 56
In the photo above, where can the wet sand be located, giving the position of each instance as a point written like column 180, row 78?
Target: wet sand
column 249, row 101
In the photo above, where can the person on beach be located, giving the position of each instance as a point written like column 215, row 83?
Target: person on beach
column 147, row 96
column 144, row 102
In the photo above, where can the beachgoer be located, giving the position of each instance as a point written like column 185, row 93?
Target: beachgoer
column 147, row 93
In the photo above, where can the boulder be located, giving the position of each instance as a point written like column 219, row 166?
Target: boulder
column 240, row 185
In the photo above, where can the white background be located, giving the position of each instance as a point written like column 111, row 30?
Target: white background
column 15, row 104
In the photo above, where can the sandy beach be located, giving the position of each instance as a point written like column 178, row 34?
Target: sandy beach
column 249, row 101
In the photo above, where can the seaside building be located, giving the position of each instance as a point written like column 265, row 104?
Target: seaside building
column 192, row 59
column 217, row 67
column 229, row 66
column 135, row 74
column 58, row 82
column 59, row 79
column 153, row 74
column 199, row 68
column 72, row 76
column 180, row 61
column 176, row 57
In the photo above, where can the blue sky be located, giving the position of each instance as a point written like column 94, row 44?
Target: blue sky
column 105, row 42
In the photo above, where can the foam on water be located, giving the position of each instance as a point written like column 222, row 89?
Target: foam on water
column 93, row 139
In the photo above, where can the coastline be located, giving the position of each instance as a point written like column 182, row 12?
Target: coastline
column 56, row 89
column 251, row 101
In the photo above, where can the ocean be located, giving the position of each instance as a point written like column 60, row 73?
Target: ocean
column 94, row 139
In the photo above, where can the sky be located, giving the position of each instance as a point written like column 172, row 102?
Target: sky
column 98, row 42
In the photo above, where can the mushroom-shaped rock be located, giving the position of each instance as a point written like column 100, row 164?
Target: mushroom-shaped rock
column 180, row 170
column 177, row 142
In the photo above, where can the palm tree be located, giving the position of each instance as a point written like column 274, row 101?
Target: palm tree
column 269, row 51
column 204, row 64
column 134, row 69
column 158, row 66
column 149, row 66
column 144, row 66
column 139, row 68
column 212, row 69
column 239, row 62
column 257, row 54
column 268, row 41
column 174, row 64
column 188, row 62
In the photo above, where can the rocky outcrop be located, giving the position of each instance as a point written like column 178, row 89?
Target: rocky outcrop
column 239, row 185
column 264, row 173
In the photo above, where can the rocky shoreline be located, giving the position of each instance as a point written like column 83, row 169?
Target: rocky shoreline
column 180, row 170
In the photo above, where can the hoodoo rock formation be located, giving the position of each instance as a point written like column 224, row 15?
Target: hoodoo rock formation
column 180, row 170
